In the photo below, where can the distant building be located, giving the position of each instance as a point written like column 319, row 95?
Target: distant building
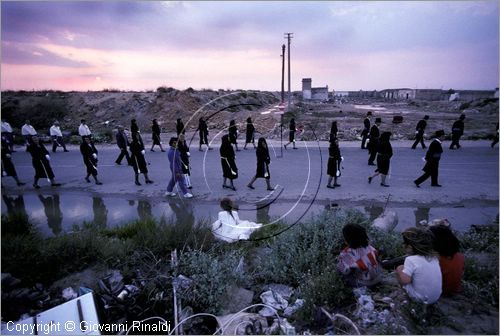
column 399, row 94
column 310, row 93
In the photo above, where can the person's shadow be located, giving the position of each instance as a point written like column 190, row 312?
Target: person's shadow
column 52, row 207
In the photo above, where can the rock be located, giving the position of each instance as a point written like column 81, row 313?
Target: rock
column 285, row 291
column 236, row 299
column 274, row 300
column 9, row 281
column 387, row 221
column 290, row 310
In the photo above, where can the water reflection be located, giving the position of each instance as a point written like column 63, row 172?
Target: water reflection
column 374, row 212
column 144, row 210
column 421, row 214
column 15, row 204
column 182, row 211
column 52, row 208
column 263, row 212
column 100, row 212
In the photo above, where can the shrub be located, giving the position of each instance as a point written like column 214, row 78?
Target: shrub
column 480, row 283
column 103, row 136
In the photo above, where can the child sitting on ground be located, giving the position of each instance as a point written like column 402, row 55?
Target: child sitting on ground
column 229, row 227
column 450, row 260
column 358, row 261
column 420, row 275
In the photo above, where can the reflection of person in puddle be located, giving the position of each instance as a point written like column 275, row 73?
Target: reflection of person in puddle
column 228, row 227
column 53, row 212
column 183, row 212
column 144, row 210
column 263, row 212
column 15, row 204
column 100, row 212
column 374, row 211
column 421, row 214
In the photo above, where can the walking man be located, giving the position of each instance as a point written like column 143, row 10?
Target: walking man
column 366, row 129
column 84, row 130
column 373, row 144
column 28, row 132
column 291, row 136
column 457, row 130
column 8, row 134
column 419, row 132
column 432, row 158
column 57, row 137
column 122, row 143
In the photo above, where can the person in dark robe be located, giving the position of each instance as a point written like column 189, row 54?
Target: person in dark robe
column 179, row 127
column 156, row 131
column 203, row 133
column 384, row 154
column 291, row 133
column 228, row 162
column 366, row 130
column 183, row 149
column 495, row 139
column 233, row 134
column 122, row 143
column 334, row 159
column 432, row 157
column 263, row 161
column 419, row 132
column 40, row 160
column 333, row 132
column 138, row 158
column 89, row 154
column 373, row 144
column 249, row 133
column 457, row 130
column 8, row 168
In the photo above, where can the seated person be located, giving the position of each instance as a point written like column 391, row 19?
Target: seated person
column 451, row 260
column 420, row 275
column 228, row 227
column 358, row 261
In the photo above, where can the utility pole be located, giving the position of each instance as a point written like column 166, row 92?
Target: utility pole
column 289, row 36
column 283, row 74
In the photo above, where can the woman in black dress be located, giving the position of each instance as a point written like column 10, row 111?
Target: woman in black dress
column 203, row 132
column 89, row 153
column 156, row 135
column 40, row 160
column 8, row 168
column 228, row 163
column 333, row 132
column 250, row 133
column 291, row 136
column 179, row 127
column 137, row 158
column 263, row 161
column 233, row 134
column 334, row 159
column 384, row 154
column 183, row 149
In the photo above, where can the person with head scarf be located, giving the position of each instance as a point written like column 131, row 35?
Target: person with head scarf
column 179, row 127
column 333, row 132
column 228, row 163
column 155, row 133
column 138, row 158
column 233, row 134
column 8, row 168
column 384, row 154
column 183, row 149
column 291, row 133
column 249, row 133
column 374, row 139
column 263, row 161
column 203, row 133
column 334, row 160
column 366, row 129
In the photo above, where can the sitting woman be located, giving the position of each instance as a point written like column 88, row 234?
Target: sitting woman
column 358, row 261
column 420, row 275
column 451, row 260
column 228, row 227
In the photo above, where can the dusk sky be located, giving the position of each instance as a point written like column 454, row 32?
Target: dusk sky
column 353, row 45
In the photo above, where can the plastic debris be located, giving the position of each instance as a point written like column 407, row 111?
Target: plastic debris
column 274, row 300
column 69, row 294
column 290, row 310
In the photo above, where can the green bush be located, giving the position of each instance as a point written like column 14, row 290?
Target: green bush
column 104, row 136
column 16, row 223
column 480, row 239
column 480, row 283
column 41, row 114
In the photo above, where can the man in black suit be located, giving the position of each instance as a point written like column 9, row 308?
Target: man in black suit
column 432, row 158
column 122, row 143
column 373, row 144
column 366, row 129
column 457, row 130
column 419, row 132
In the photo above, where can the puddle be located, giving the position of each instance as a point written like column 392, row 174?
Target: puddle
column 55, row 214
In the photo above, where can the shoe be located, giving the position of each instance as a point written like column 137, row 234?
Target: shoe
column 295, row 148
column 371, row 164
column 188, row 195
column 209, row 148
column 171, row 194
column 66, row 150
column 436, row 185
column 238, row 150
column 56, row 184
column 416, row 184
column 190, row 187
column 118, row 163
column 336, row 185
column 413, row 147
column 270, row 189
column 370, row 179
column 225, row 186
column 163, row 150
column 384, row 185
column 330, row 186
column 284, row 146
column 87, row 179
column 98, row 183
column 152, row 150
column 251, row 187
column 149, row 181
column 36, row 186
column 201, row 150
column 234, row 189
column 20, row 184
column 137, row 183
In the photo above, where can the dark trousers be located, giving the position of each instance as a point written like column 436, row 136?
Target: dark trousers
column 495, row 141
column 123, row 153
column 455, row 141
column 418, row 139
column 373, row 154
column 363, row 140
column 58, row 141
column 433, row 175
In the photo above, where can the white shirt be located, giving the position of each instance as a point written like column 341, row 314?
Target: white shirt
column 6, row 127
column 426, row 278
column 28, row 130
column 55, row 131
column 84, row 130
column 230, row 228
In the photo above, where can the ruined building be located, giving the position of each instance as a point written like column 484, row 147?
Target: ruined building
column 310, row 93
